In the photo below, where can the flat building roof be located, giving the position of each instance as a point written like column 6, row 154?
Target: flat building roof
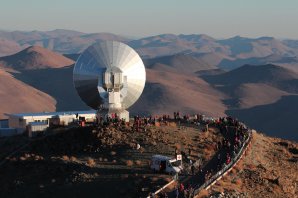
column 51, row 113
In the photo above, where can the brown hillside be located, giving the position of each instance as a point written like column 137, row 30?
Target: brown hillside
column 8, row 47
column 277, row 119
column 213, row 58
column 254, row 94
column 166, row 92
column 254, row 73
column 274, row 76
column 168, row 44
column 268, row 170
column 35, row 57
column 264, row 97
column 181, row 63
column 17, row 96
column 242, row 47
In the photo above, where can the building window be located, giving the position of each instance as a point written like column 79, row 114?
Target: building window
column 21, row 120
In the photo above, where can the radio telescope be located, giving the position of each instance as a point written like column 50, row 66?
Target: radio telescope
column 109, row 77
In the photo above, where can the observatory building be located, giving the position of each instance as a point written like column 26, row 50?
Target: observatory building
column 109, row 77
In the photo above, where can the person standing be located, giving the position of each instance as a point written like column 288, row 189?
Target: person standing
column 176, row 192
column 192, row 170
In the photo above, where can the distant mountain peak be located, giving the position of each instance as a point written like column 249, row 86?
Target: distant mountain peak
column 196, row 37
column 266, row 38
column 35, row 48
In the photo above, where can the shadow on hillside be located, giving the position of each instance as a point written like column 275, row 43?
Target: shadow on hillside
column 64, row 158
column 278, row 119
column 151, row 99
column 49, row 178
column 57, row 83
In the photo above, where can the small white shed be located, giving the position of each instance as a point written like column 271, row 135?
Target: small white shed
column 36, row 128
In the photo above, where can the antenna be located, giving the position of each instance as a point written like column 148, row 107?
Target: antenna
column 109, row 77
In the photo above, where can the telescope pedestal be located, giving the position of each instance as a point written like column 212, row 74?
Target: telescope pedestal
column 121, row 114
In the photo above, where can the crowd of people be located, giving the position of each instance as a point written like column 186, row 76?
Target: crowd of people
column 235, row 134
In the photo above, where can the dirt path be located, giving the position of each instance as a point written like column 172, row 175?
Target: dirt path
column 212, row 166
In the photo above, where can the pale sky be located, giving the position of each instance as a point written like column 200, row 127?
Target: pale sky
column 217, row 18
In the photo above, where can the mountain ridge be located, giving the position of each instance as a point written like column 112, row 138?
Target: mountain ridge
column 179, row 82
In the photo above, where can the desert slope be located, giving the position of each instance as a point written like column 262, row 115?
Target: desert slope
column 56, row 82
column 59, row 40
column 251, row 85
column 180, row 62
column 18, row 97
column 263, row 96
column 166, row 92
column 269, row 169
column 35, row 57
column 8, row 47
column 277, row 119
column 255, row 94
column 268, row 73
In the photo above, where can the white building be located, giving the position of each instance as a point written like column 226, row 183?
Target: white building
column 22, row 121
column 35, row 128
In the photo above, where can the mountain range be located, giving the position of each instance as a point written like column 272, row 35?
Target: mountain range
column 255, row 80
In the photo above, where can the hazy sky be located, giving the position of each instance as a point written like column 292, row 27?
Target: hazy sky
column 217, row 18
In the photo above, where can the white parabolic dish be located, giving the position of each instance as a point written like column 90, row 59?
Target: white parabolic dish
column 109, row 75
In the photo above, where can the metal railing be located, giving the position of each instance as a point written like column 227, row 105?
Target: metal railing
column 219, row 174
column 227, row 167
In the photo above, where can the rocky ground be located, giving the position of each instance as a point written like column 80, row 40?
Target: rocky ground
column 97, row 162
column 10, row 144
column 269, row 169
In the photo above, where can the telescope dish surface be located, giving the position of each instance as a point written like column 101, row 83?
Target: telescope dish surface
column 109, row 67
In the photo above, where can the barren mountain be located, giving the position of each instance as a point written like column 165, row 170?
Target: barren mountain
column 76, row 44
column 73, row 57
column 17, row 97
column 23, row 37
column 213, row 58
column 291, row 43
column 269, row 169
column 35, row 57
column 275, row 119
column 269, row 74
column 8, row 47
column 241, row 47
column 228, row 53
column 172, row 85
column 58, row 83
column 166, row 92
column 62, row 41
column 255, row 94
column 202, row 45
column 262, row 96
column 169, row 44
column 230, row 64
column 179, row 63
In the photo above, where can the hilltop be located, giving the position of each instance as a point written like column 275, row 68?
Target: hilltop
column 90, row 161
column 35, row 57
